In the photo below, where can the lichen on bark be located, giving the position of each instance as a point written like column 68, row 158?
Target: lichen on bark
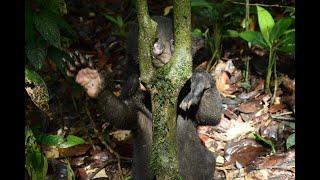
column 165, row 84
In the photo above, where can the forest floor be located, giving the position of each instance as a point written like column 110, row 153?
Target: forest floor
column 254, row 140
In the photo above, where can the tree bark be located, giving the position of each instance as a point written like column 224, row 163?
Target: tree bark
column 165, row 84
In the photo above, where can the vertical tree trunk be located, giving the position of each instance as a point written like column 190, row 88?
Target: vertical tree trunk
column 165, row 84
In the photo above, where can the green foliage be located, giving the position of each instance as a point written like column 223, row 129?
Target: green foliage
column 36, row 52
column 266, row 23
column 254, row 37
column 56, row 56
column 39, row 93
column 50, row 140
column 120, row 25
column 36, row 164
column 45, row 27
column 59, row 141
column 72, row 141
column 257, row 137
column 291, row 141
column 273, row 37
column 216, row 18
column 70, row 173
column 29, row 29
column 48, row 28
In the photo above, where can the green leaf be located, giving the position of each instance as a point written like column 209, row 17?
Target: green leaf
column 291, row 141
column 66, row 28
column 35, row 162
column 72, row 141
column 201, row 3
column 268, row 142
column 287, row 44
column 196, row 32
column 37, row 90
column 36, row 52
column 70, row 173
column 56, row 56
column 232, row 33
column 29, row 29
column 279, row 28
column 112, row 19
column 45, row 22
column 50, row 140
column 266, row 23
column 254, row 37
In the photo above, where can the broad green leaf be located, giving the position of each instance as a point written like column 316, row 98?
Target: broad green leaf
column 45, row 22
column 29, row 29
column 37, row 90
column 268, row 142
column 266, row 23
column 50, row 140
column 36, row 52
column 254, row 37
column 279, row 28
column 72, row 141
column 291, row 141
column 287, row 44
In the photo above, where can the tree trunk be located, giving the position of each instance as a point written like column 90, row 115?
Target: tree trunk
column 165, row 84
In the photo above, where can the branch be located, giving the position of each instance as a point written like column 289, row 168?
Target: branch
column 147, row 32
column 263, row 5
column 181, row 61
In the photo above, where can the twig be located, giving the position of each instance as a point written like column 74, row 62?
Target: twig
column 104, row 143
column 224, row 170
column 263, row 5
column 100, row 168
column 280, row 116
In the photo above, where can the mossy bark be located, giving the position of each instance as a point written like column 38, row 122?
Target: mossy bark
column 165, row 84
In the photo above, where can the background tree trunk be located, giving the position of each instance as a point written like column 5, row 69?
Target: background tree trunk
column 165, row 84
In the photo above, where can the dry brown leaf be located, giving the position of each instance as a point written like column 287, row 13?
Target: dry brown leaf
column 74, row 151
column 243, row 152
column 276, row 108
column 250, row 106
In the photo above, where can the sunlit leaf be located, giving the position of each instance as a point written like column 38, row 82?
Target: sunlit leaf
column 72, row 141
column 167, row 10
column 266, row 23
column 37, row 89
column 197, row 32
column 50, row 140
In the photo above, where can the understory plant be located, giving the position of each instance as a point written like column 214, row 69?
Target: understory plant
column 273, row 37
